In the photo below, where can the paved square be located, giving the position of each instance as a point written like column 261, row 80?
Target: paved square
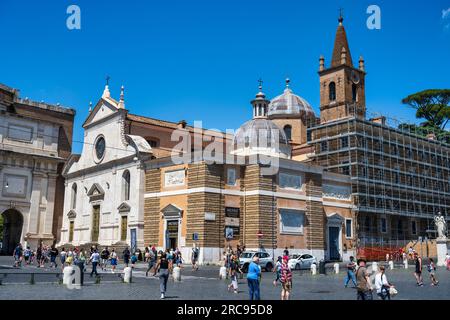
column 205, row 284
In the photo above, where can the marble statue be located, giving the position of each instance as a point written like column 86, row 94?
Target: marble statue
column 441, row 226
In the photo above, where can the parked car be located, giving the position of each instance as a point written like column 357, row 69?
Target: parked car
column 265, row 260
column 303, row 261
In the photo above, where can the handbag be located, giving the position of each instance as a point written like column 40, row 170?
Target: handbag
column 393, row 291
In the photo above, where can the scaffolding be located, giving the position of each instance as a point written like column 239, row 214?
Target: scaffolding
column 396, row 174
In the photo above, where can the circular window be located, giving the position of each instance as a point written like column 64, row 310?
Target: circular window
column 100, row 148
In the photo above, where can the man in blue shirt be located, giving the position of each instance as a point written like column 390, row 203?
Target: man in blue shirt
column 254, row 272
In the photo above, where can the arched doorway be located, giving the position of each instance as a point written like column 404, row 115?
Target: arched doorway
column 11, row 230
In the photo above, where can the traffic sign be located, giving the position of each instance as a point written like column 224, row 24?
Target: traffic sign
column 260, row 234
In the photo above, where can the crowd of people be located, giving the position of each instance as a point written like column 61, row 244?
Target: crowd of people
column 162, row 263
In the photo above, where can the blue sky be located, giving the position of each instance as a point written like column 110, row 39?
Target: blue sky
column 201, row 59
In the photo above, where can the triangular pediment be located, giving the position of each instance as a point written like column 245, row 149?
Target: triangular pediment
column 172, row 211
column 95, row 190
column 104, row 108
column 124, row 207
column 335, row 217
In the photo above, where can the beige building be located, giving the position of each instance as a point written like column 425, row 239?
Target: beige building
column 35, row 142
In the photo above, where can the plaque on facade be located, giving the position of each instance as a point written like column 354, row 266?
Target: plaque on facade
column 210, row 216
column 15, row 185
column 290, row 181
column 337, row 192
column 233, row 222
column 174, row 178
column 232, row 212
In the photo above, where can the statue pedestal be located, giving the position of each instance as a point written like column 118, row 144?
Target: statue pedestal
column 442, row 248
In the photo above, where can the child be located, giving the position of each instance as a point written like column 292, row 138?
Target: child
column 431, row 269
column 277, row 269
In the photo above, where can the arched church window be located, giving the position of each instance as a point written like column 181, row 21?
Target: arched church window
column 73, row 200
column 354, row 92
column 288, row 131
column 126, row 185
column 332, row 91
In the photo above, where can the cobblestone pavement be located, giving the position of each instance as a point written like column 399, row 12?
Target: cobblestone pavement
column 205, row 285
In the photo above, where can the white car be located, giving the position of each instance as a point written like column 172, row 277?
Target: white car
column 265, row 260
column 303, row 261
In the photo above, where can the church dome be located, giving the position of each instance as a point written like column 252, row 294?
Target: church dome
column 288, row 105
column 261, row 136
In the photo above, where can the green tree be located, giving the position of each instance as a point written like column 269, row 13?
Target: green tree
column 431, row 105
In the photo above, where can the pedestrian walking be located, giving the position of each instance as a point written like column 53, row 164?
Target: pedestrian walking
column 151, row 259
column 39, row 255
column 432, row 270
column 418, row 270
column 253, row 275
column 163, row 269
column 169, row 257
column 126, row 256
column 53, row 256
column 234, row 270
column 62, row 257
column 134, row 259
column 351, row 268
column 277, row 270
column 178, row 259
column 363, row 283
column 105, row 256
column 18, row 256
column 382, row 285
column 114, row 259
column 285, row 279
column 194, row 257
column 27, row 253
column 95, row 259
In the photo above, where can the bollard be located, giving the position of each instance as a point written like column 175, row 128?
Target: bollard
column 67, row 273
column 313, row 269
column 391, row 265
column 336, row 268
column 374, row 266
column 405, row 262
column 127, row 275
column 223, row 273
column 176, row 274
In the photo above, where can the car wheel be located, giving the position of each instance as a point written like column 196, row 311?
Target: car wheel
column 269, row 267
column 245, row 268
column 297, row 266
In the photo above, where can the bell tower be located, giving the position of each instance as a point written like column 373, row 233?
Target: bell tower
column 342, row 86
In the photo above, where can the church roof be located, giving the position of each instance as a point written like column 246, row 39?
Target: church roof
column 339, row 43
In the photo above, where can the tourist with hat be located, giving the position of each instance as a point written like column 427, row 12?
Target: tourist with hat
column 363, row 283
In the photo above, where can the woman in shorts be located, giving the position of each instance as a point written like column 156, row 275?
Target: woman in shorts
column 285, row 279
column 432, row 270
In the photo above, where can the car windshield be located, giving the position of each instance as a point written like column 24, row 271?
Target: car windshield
column 247, row 255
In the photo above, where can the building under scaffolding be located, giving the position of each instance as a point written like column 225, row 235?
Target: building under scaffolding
column 400, row 180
